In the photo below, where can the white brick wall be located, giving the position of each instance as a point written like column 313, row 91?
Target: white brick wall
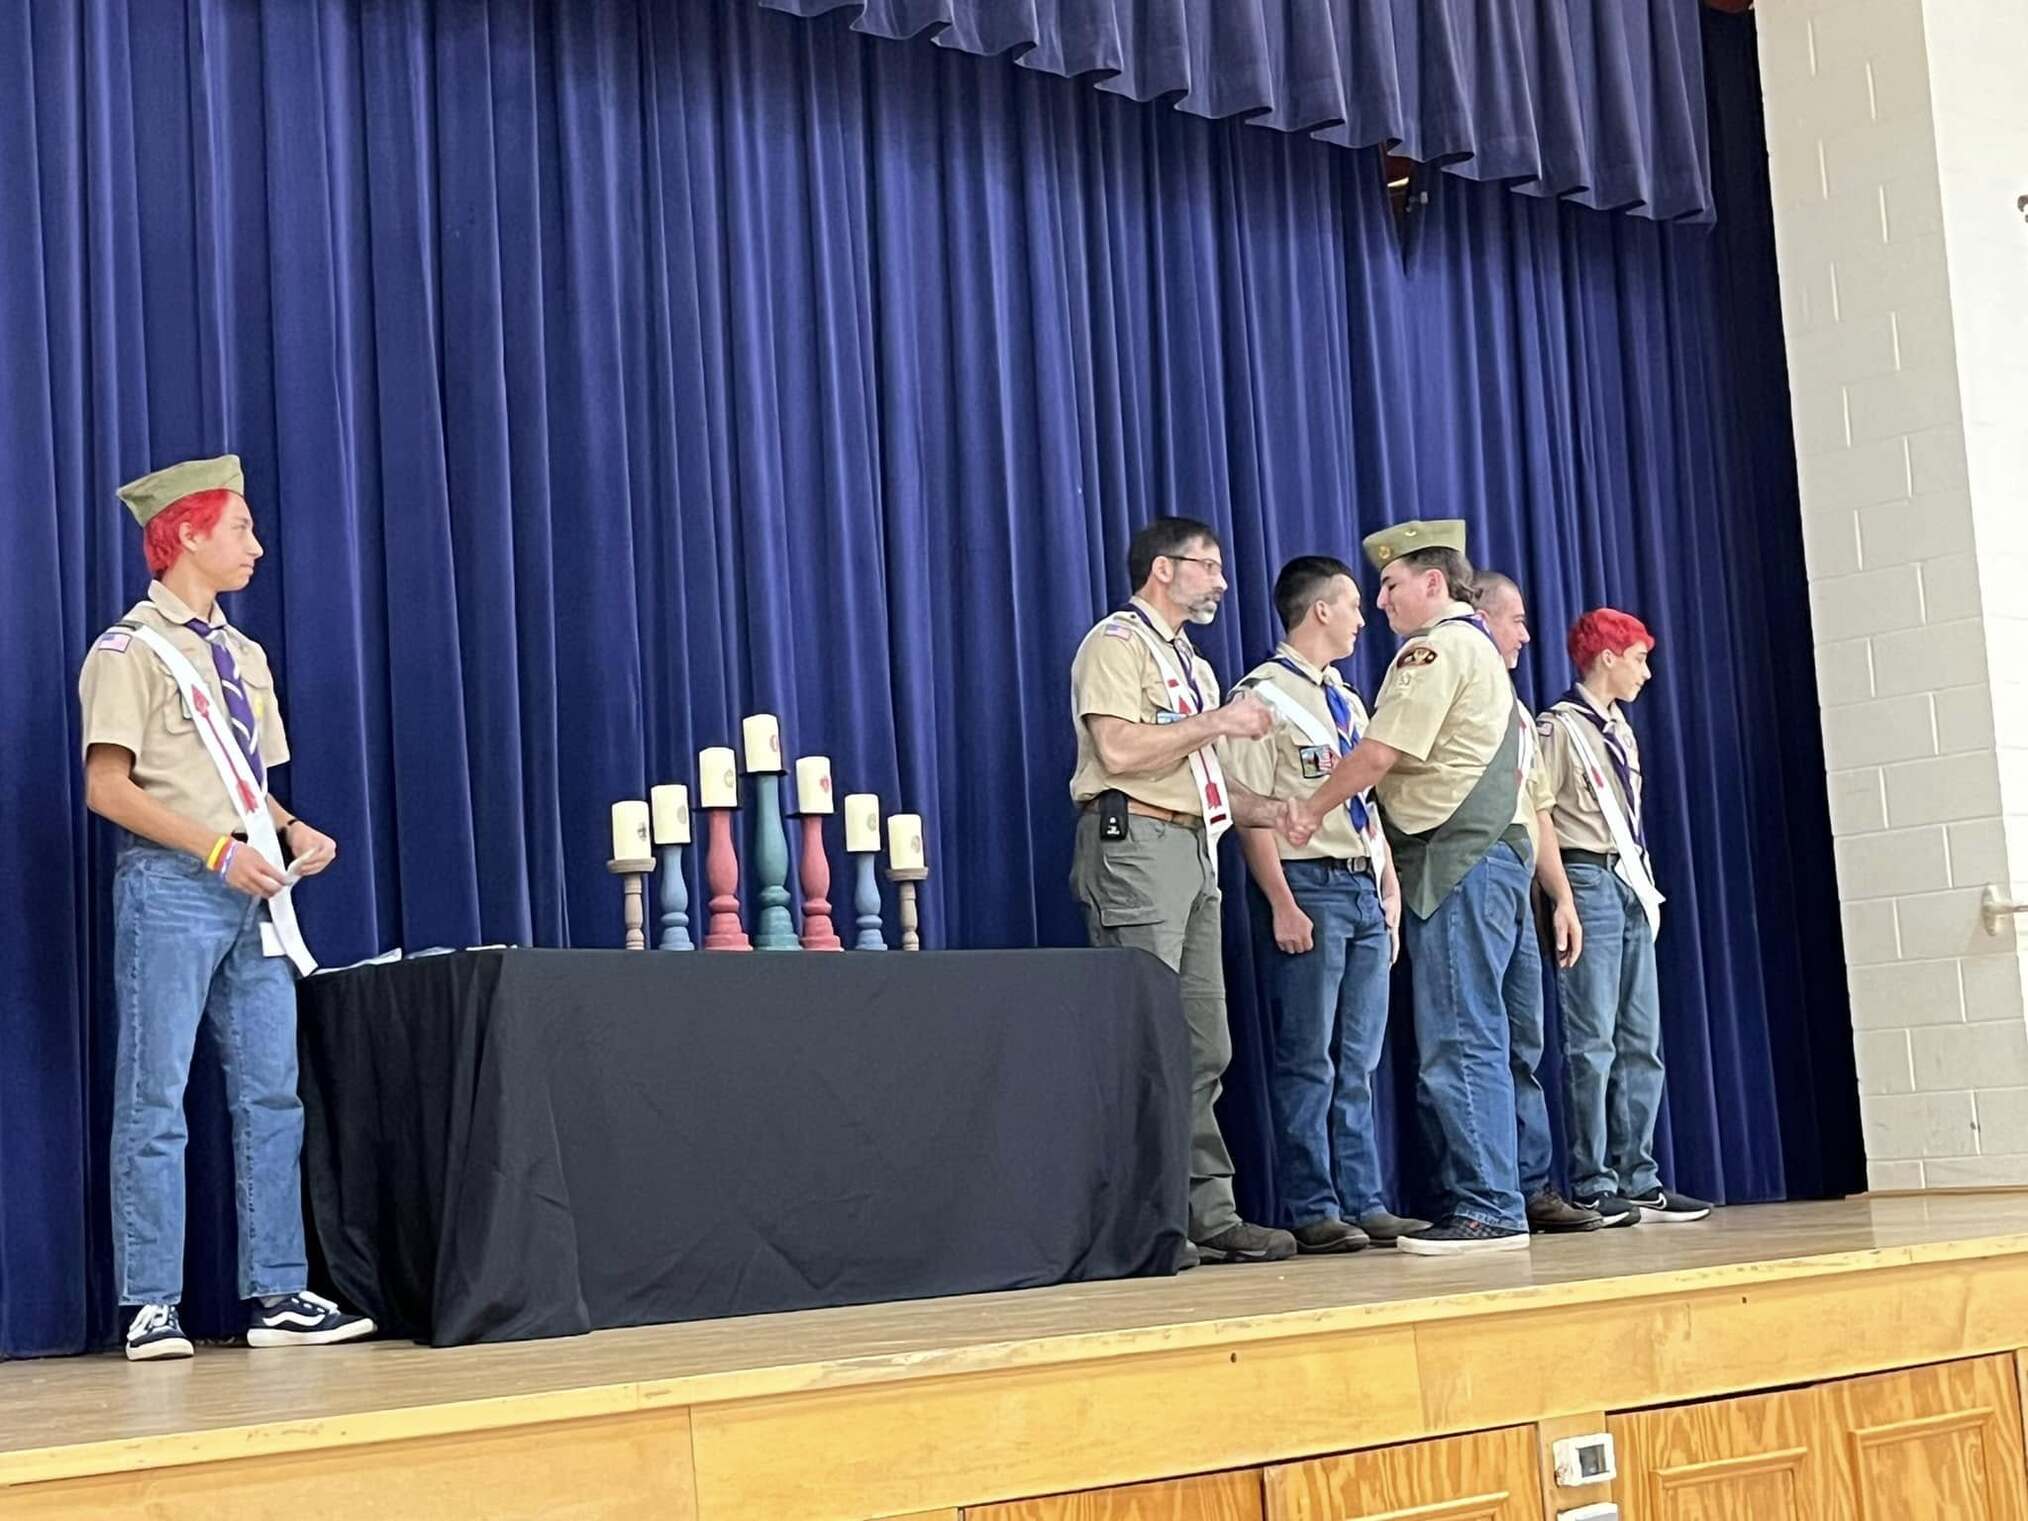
column 1898, row 139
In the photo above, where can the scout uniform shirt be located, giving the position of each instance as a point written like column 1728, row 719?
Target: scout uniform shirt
column 1115, row 675
column 130, row 700
column 1580, row 823
column 1287, row 763
column 1448, row 706
column 1537, row 795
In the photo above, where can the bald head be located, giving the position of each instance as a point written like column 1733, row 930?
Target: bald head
column 1498, row 599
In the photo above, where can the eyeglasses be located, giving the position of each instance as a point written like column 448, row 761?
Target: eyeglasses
column 1217, row 565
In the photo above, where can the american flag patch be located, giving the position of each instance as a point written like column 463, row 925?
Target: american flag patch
column 115, row 641
column 1118, row 631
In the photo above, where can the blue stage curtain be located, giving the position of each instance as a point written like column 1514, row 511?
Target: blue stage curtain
column 1597, row 101
column 605, row 372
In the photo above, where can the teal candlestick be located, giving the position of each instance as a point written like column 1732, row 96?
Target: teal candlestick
column 776, row 931
column 866, row 899
column 675, row 901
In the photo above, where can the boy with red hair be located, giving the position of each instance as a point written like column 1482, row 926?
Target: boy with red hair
column 1612, row 1027
column 180, row 731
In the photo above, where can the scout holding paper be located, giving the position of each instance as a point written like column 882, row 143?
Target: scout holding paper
column 180, row 730
column 1612, row 1018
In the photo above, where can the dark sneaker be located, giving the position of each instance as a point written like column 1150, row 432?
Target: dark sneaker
column 1248, row 1243
column 156, row 1333
column 1613, row 1209
column 1550, row 1214
column 1329, row 1236
column 1459, row 1234
column 1669, row 1209
column 304, row 1320
column 1187, row 1256
column 1385, row 1229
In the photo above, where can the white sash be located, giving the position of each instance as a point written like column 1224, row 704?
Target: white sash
column 240, row 784
column 1214, row 800
column 1632, row 866
column 1325, row 736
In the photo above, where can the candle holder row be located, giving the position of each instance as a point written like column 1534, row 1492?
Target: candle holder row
column 664, row 823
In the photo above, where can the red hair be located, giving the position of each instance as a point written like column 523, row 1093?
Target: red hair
column 1605, row 630
column 199, row 512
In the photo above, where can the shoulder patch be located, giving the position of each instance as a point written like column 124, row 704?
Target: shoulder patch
column 1118, row 631
column 114, row 640
column 1546, row 727
column 1415, row 655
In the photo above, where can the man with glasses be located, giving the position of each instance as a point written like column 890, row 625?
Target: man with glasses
column 1153, row 800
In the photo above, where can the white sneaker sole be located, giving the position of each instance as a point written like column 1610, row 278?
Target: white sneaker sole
column 264, row 1336
column 1664, row 1217
column 1423, row 1248
column 157, row 1351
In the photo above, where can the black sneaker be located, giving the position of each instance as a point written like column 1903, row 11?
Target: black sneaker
column 1666, row 1208
column 1550, row 1214
column 1248, row 1243
column 304, row 1320
column 156, row 1333
column 1613, row 1209
column 1459, row 1234
column 1187, row 1256
column 1384, row 1228
column 1322, row 1236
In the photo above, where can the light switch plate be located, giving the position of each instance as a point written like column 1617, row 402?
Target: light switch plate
column 1584, row 1459
column 1605, row 1510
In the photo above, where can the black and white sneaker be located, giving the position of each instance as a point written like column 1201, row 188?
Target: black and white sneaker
column 1459, row 1234
column 304, row 1320
column 1666, row 1208
column 1617, row 1211
column 1248, row 1243
column 156, row 1333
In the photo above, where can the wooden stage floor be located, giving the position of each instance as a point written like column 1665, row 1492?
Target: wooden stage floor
column 888, row 1409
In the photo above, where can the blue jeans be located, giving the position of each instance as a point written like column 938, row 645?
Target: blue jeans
column 1461, row 953
column 1612, row 1040
column 1330, row 1013
column 1521, row 991
column 185, row 948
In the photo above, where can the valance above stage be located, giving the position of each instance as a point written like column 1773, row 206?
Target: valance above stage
column 1595, row 101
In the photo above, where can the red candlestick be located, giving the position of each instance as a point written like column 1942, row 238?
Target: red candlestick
column 721, row 875
column 818, row 931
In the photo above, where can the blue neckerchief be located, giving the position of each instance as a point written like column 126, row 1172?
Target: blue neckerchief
column 1348, row 736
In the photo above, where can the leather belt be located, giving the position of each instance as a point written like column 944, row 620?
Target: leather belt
column 1602, row 858
column 1141, row 810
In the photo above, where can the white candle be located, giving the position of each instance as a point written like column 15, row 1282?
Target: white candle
column 813, row 784
column 630, row 832
column 717, row 780
column 904, row 842
column 763, row 743
column 671, row 804
column 862, row 821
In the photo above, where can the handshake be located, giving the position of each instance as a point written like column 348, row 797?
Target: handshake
column 1245, row 716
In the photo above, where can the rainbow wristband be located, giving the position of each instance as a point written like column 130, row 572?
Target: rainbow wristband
column 218, row 853
column 225, row 861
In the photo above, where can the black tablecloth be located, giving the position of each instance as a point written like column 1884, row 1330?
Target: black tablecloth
column 505, row 1144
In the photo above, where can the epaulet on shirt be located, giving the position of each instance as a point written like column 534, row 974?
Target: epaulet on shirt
column 1248, row 682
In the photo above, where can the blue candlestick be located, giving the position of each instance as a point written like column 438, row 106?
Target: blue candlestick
column 675, row 901
column 866, row 898
column 771, row 869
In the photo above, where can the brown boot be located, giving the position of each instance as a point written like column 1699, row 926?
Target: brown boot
column 1550, row 1214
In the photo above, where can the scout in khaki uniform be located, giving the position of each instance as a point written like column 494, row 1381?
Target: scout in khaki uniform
column 180, row 731
column 1153, row 799
column 1445, row 753
column 1505, row 615
column 1333, row 904
column 1612, row 1018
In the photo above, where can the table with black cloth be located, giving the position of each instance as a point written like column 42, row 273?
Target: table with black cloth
column 514, row 1143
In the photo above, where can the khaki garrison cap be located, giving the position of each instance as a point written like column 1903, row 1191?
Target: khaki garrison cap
column 1406, row 538
column 170, row 485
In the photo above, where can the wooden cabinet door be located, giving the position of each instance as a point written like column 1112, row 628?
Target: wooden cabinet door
column 1943, row 1441
column 1488, row 1476
column 1212, row 1497
column 1765, row 1457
